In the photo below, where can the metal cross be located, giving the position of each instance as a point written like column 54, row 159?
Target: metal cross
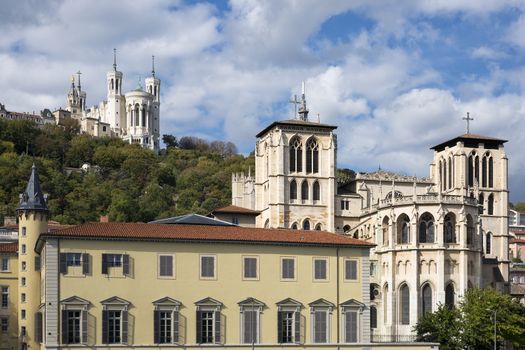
column 295, row 102
column 468, row 119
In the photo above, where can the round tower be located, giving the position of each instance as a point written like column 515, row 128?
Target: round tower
column 32, row 221
column 153, row 87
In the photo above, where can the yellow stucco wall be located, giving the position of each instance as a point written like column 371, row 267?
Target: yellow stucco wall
column 9, row 278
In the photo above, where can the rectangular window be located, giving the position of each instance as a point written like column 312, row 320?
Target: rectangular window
column 320, row 269
column 250, row 326
column 165, row 325
column 5, row 264
column 207, row 266
column 320, row 324
column 288, row 268
column 73, row 259
column 4, row 324
column 288, row 327
column 24, row 231
column 23, row 248
column 351, row 270
column 23, row 331
column 114, row 260
column 24, row 266
column 114, row 327
column 250, row 267
column 206, row 327
column 4, row 303
column 23, row 314
column 73, row 326
column 23, row 297
column 350, row 327
column 23, row 281
column 166, row 266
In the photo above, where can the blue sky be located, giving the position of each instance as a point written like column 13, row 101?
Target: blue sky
column 396, row 77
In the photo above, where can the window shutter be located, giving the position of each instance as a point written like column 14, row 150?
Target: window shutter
column 125, row 264
column 169, row 266
column 105, row 330
column 175, row 327
column 217, row 319
column 124, row 326
column 351, row 327
column 84, row 315
column 156, row 326
column 85, row 264
column 64, row 326
column 297, row 327
column 199, row 327
column 279, row 327
column 104, row 265
column 38, row 327
column 37, row 263
column 63, row 263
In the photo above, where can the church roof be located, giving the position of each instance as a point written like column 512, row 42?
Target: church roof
column 204, row 234
column 192, row 219
column 33, row 198
column 295, row 122
column 384, row 175
column 470, row 140
column 236, row 210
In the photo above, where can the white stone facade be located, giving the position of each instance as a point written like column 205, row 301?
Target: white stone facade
column 435, row 236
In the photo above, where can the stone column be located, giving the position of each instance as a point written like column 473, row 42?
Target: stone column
column 440, row 287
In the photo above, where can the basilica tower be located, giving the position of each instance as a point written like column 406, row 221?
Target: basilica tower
column 32, row 221
column 153, row 87
column 115, row 116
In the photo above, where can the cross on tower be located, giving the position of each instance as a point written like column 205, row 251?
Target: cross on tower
column 295, row 102
column 468, row 119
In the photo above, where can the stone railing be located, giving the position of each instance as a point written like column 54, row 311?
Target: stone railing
column 422, row 199
column 391, row 338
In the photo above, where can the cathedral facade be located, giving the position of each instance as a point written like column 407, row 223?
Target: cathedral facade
column 133, row 116
column 434, row 237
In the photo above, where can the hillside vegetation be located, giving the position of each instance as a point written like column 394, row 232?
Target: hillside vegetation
column 124, row 181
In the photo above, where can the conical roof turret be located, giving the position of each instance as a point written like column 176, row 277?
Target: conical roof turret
column 33, row 198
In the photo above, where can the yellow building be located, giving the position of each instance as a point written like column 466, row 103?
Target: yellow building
column 8, row 296
column 151, row 286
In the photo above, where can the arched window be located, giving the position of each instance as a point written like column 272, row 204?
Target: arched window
column 470, row 170
column 488, row 243
column 426, row 228
column 490, row 205
column 293, row 190
column 449, row 295
column 385, row 230
column 491, row 173
column 426, row 305
column 137, row 114
column 294, row 226
column 317, row 191
column 484, row 172
column 404, row 304
column 116, row 86
column 143, row 116
column 346, row 228
column 304, row 190
column 449, row 229
column 385, row 303
column 373, row 317
column 403, row 229
column 444, row 184
column 481, row 203
column 318, row 227
column 470, row 229
column 306, row 225
column 476, row 169
column 312, row 156
column 296, row 155
column 267, row 223
column 450, row 172
column 111, row 85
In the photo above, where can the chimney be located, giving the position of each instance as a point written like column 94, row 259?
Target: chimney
column 104, row 219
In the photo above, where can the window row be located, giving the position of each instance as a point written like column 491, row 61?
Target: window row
column 69, row 262
column 311, row 155
column 210, row 322
column 305, row 190
column 486, row 178
column 307, row 225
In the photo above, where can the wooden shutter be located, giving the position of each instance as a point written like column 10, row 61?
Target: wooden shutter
column 279, row 327
column 85, row 264
column 104, row 264
column 105, row 314
column 297, row 327
column 84, row 317
column 156, row 326
column 38, row 327
column 175, row 327
column 124, row 326
column 63, row 263
column 199, row 327
column 125, row 264
column 217, row 319
column 37, row 263
column 64, row 326
column 169, row 265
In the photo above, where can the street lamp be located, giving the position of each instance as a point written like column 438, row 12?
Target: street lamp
column 494, row 319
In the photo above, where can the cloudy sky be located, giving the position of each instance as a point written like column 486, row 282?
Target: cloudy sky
column 395, row 76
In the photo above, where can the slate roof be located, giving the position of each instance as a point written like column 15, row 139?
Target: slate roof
column 192, row 219
column 469, row 138
column 296, row 122
column 33, row 198
column 204, row 234
column 236, row 210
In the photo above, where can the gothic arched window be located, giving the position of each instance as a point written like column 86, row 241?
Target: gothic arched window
column 312, row 156
column 294, row 226
column 450, row 172
column 318, row 227
column 481, row 203
column 293, row 190
column 490, row 205
column 484, row 172
column 450, row 228
column 306, row 225
column 296, row 155
column 385, row 230
column 488, row 243
column 116, row 86
column 470, row 229
column 403, row 229
column 491, row 173
column 444, row 183
column 404, row 300
column 137, row 114
column 304, row 190
column 346, row 228
column 317, row 191
column 426, row 305
column 449, row 295
column 426, row 228
column 267, row 223
column 373, row 317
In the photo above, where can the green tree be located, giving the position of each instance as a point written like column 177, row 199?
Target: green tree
column 441, row 326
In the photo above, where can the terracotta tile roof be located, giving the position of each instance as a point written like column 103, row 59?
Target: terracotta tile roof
column 201, row 233
column 516, row 240
column 51, row 226
column 9, row 247
column 235, row 209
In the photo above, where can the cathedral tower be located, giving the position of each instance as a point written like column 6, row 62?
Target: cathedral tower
column 153, row 87
column 74, row 103
column 32, row 221
column 115, row 116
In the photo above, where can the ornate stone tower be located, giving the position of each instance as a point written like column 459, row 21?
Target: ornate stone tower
column 115, row 116
column 153, row 87
column 32, row 221
column 74, row 103
column 295, row 173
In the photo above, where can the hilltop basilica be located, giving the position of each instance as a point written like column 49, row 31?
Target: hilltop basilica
column 435, row 237
column 133, row 116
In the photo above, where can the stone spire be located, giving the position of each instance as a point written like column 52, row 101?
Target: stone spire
column 33, row 198
column 153, row 66
column 303, row 110
column 115, row 60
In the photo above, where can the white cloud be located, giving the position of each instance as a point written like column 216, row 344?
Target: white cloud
column 484, row 52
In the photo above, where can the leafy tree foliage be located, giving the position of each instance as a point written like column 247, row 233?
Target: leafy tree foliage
column 471, row 325
column 124, row 181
